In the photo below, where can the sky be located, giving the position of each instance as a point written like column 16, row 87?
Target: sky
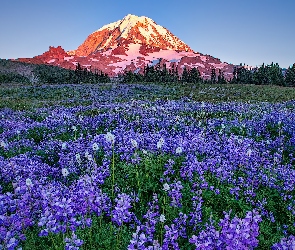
column 235, row 31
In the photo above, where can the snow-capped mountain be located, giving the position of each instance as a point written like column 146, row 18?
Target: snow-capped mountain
column 130, row 44
column 131, row 29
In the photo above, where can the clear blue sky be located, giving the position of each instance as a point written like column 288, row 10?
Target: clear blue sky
column 249, row 31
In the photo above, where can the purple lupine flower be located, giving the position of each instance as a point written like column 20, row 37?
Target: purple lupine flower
column 181, row 224
column 175, row 194
column 144, row 235
column 207, row 239
column 240, row 233
column 73, row 243
column 121, row 213
column 196, row 214
column 151, row 217
column 170, row 238
column 285, row 243
column 138, row 240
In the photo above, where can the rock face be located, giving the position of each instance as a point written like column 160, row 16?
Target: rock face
column 130, row 44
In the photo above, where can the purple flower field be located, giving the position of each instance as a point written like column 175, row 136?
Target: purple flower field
column 145, row 174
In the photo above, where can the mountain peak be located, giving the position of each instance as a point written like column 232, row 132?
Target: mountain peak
column 130, row 29
column 129, row 20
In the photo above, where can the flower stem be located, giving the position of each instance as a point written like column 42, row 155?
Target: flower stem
column 113, row 172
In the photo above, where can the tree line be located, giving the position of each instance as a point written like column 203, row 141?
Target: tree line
column 264, row 75
column 271, row 74
column 54, row 74
column 159, row 73
column 48, row 74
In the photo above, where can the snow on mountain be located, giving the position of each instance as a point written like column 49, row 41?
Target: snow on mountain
column 130, row 44
column 134, row 29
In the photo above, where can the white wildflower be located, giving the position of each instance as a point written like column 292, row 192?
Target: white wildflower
column 65, row 172
column 162, row 218
column 18, row 132
column 144, row 152
column 29, row 182
column 3, row 144
column 78, row 158
column 88, row 156
column 166, row 187
column 134, row 143
column 95, row 146
column 64, row 145
column 110, row 137
column 160, row 143
column 74, row 128
column 249, row 152
column 178, row 150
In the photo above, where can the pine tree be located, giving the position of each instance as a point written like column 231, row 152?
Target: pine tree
column 195, row 75
column 184, row 77
column 290, row 76
column 213, row 75
column 78, row 73
column 261, row 76
column 165, row 74
column 276, row 75
column 221, row 79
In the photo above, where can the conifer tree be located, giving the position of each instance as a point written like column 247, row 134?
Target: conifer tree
column 195, row 75
column 165, row 74
column 78, row 73
column 221, row 79
column 213, row 76
column 276, row 75
column 290, row 76
column 260, row 76
column 185, row 75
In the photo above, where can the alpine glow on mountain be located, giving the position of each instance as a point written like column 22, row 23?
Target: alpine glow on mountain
column 131, row 44
column 131, row 29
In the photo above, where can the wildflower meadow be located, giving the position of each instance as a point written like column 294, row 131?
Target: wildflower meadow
column 142, row 166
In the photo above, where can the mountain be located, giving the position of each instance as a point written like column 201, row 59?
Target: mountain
column 130, row 44
column 131, row 29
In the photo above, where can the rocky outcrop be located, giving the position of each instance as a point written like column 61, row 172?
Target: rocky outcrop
column 53, row 53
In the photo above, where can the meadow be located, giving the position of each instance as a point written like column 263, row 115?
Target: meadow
column 147, row 166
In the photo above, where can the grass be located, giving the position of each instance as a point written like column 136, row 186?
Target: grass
column 28, row 97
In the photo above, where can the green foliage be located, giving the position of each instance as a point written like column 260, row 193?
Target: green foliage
column 269, row 74
column 213, row 76
column 290, row 76
column 220, row 78
column 53, row 75
column 13, row 78
column 242, row 75
column 161, row 74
